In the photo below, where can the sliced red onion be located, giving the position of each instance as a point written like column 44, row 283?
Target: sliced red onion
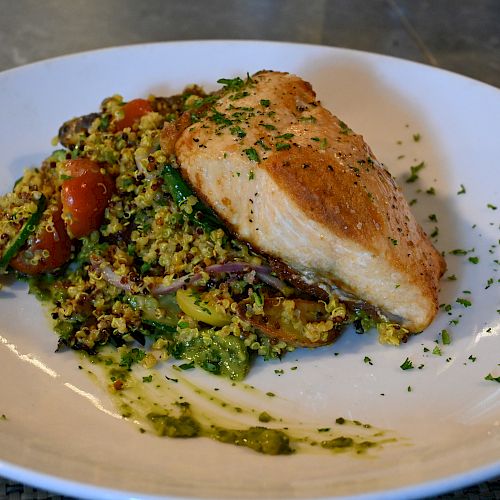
column 273, row 281
column 263, row 273
column 236, row 267
column 109, row 275
column 176, row 284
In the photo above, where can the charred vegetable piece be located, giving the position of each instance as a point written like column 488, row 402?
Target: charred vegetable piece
column 28, row 228
column 298, row 322
column 70, row 131
column 180, row 192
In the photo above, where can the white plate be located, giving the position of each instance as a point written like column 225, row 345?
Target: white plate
column 61, row 432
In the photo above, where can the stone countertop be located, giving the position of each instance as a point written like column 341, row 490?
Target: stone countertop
column 458, row 35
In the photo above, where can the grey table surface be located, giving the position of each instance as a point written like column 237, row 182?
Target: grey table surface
column 458, row 35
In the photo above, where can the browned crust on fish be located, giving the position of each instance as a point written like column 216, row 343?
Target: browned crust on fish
column 330, row 175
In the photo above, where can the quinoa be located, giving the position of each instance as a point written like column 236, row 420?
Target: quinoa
column 120, row 285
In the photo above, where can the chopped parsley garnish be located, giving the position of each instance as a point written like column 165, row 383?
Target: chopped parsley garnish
column 149, row 378
column 285, row 136
column 464, row 302
column 414, row 170
column 458, row 251
column 407, row 364
column 368, row 360
column 231, row 83
column 282, row 145
column 474, row 260
column 187, row 366
column 310, row 119
column 322, row 142
column 263, row 145
column 461, row 190
column 445, row 337
column 492, row 378
column 239, row 95
column 416, row 137
column 220, row 118
column 238, row 131
column 446, row 307
column 493, row 207
column 433, row 217
column 135, row 355
column 344, row 129
column 265, row 103
column 252, row 154
column 431, row 190
column 437, row 351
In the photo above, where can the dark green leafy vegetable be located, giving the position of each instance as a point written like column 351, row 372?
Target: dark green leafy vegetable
column 180, row 192
column 407, row 364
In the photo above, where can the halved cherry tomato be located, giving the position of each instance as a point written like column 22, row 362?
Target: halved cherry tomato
column 85, row 196
column 133, row 111
column 47, row 249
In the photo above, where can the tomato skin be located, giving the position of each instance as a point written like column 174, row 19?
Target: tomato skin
column 133, row 111
column 56, row 242
column 85, row 197
column 81, row 166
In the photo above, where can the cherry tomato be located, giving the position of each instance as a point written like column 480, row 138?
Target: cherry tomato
column 81, row 166
column 85, row 197
column 133, row 111
column 47, row 249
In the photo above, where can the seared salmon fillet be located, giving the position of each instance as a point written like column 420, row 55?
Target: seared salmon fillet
column 298, row 185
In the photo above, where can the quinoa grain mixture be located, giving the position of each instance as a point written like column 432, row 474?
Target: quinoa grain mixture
column 111, row 238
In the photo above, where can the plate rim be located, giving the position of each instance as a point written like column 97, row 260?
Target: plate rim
column 223, row 41
column 51, row 482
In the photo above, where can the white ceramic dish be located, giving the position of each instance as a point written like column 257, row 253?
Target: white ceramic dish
column 61, row 432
